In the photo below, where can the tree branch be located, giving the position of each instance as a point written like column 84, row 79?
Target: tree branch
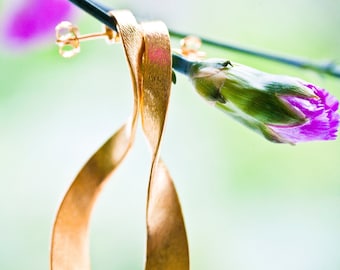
column 180, row 64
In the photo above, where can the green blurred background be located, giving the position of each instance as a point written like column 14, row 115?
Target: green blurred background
column 248, row 204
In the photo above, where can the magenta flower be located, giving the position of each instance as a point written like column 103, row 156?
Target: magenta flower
column 282, row 108
column 322, row 119
column 35, row 19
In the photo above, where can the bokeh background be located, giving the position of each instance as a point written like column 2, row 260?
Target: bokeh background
column 248, row 204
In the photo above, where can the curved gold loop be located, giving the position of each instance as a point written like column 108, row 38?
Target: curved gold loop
column 148, row 53
column 70, row 243
column 167, row 245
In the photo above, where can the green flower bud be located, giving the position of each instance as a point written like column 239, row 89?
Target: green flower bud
column 267, row 103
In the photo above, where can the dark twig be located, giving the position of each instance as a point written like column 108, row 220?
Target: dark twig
column 181, row 64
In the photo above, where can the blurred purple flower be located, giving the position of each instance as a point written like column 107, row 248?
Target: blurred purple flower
column 35, row 19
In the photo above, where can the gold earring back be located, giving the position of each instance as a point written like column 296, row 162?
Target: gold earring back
column 190, row 47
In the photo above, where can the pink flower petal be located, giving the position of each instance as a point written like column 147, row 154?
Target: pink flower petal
column 321, row 114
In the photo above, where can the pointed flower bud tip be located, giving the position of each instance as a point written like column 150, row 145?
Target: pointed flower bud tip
column 284, row 109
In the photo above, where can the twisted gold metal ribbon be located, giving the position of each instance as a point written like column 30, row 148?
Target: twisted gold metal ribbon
column 167, row 246
column 147, row 49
